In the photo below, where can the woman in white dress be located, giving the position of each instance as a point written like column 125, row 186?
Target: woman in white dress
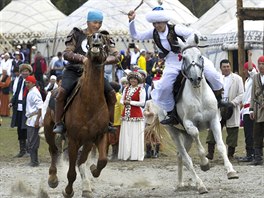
column 131, row 141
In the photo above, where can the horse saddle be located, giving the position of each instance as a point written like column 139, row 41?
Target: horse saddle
column 54, row 94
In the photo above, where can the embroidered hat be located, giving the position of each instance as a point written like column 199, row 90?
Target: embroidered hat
column 31, row 79
column 23, row 67
column 246, row 65
column 135, row 75
column 123, row 80
column 261, row 59
column 158, row 14
column 143, row 73
column 95, row 15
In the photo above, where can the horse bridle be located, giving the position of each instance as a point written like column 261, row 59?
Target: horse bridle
column 192, row 64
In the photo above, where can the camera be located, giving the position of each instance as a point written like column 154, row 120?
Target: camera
column 131, row 45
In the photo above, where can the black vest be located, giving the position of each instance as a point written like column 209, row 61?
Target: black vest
column 172, row 38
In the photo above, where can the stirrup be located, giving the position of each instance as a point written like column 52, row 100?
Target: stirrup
column 58, row 128
column 170, row 121
column 111, row 128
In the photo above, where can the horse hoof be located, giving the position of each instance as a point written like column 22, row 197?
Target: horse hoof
column 205, row 167
column 94, row 170
column 65, row 195
column 53, row 183
column 232, row 175
column 87, row 194
column 202, row 190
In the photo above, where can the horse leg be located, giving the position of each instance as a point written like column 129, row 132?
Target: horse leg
column 216, row 129
column 204, row 164
column 180, row 168
column 179, row 141
column 71, row 175
column 86, row 185
column 102, row 158
column 53, row 150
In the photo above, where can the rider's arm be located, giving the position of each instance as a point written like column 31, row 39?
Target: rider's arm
column 68, row 53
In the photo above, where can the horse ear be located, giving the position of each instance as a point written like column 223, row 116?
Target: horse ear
column 196, row 39
column 181, row 43
column 193, row 40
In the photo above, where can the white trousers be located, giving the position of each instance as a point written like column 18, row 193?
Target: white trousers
column 162, row 95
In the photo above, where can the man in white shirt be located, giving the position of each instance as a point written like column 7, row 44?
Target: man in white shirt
column 233, row 93
column 18, row 102
column 34, row 105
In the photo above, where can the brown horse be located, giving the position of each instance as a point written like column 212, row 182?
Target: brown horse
column 86, row 121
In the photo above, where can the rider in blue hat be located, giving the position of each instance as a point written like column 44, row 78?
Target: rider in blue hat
column 75, row 54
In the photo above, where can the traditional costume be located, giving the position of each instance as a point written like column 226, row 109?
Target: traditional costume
column 167, row 43
column 131, row 142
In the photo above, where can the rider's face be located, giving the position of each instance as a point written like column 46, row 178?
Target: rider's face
column 160, row 26
column 94, row 26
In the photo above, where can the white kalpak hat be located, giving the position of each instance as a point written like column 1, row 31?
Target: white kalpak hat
column 158, row 14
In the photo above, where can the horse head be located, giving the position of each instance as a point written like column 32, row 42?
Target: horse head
column 97, row 48
column 193, row 63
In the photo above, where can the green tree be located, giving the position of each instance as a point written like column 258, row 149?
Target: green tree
column 68, row 6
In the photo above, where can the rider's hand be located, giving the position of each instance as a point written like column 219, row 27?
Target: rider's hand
column 85, row 60
column 10, row 105
column 131, row 15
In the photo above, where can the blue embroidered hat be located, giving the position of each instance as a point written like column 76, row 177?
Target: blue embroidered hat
column 95, row 15
column 158, row 14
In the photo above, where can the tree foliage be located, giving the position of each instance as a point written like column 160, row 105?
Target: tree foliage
column 197, row 7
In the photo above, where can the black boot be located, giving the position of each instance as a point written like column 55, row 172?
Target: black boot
column 23, row 148
column 171, row 120
column 211, row 149
column 111, row 100
column 148, row 152
column 249, row 157
column 59, row 110
column 156, row 151
column 258, row 160
column 230, row 152
column 34, row 158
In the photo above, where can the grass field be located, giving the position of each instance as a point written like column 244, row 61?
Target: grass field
column 9, row 144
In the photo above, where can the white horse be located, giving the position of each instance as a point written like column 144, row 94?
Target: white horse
column 197, row 107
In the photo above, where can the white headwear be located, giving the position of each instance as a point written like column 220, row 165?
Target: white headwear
column 53, row 77
column 158, row 14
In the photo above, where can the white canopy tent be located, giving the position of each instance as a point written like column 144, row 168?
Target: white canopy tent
column 219, row 31
column 26, row 20
column 221, row 13
column 116, row 22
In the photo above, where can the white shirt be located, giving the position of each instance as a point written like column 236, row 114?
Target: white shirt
column 134, row 57
column 227, row 84
column 20, row 95
column 6, row 65
column 247, row 94
column 34, row 103
column 262, row 79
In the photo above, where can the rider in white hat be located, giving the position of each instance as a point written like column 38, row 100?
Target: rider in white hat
column 166, row 37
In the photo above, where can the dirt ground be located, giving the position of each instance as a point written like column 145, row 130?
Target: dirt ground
column 150, row 178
